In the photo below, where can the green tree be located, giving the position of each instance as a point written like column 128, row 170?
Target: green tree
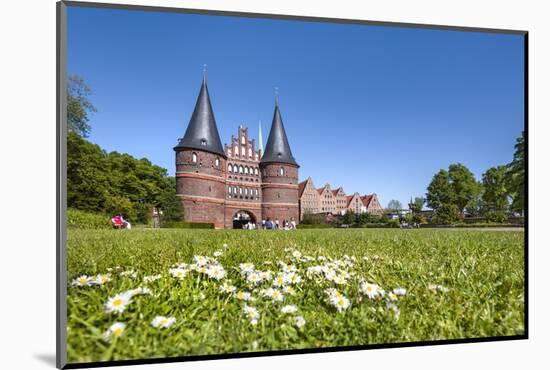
column 439, row 191
column 457, row 186
column 78, row 106
column 416, row 206
column 88, row 180
column 516, row 175
column 464, row 186
column 495, row 193
column 349, row 218
column 169, row 203
column 395, row 205
column 447, row 214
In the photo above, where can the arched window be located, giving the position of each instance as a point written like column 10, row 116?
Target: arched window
column 234, row 190
column 194, row 157
column 240, row 190
column 241, row 169
column 281, row 171
column 256, row 171
column 243, row 140
column 245, row 191
column 256, row 191
column 236, row 151
column 229, row 168
column 217, row 162
column 246, row 170
column 229, row 189
column 243, row 151
column 235, row 169
column 249, row 152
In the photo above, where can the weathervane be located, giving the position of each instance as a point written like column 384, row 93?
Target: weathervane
column 276, row 95
column 204, row 67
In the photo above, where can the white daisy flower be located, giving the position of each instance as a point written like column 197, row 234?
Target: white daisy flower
column 276, row 295
column 279, row 280
column 244, row 296
column 289, row 309
column 370, row 290
column 225, row 246
column 265, row 275
column 251, row 312
column 148, row 279
column 400, row 291
column 293, row 278
column 200, row 260
column 83, row 280
column 117, row 303
column 227, row 288
column 163, row 322
column 254, row 278
column 289, row 290
column 392, row 297
column 246, row 267
column 218, row 253
column 130, row 273
column 178, row 273
column 339, row 280
column 395, row 309
column 299, row 321
column 435, row 288
column 340, row 302
column 296, row 254
column 216, row 272
column 115, row 330
column 288, row 268
column 137, row 291
column 101, row 279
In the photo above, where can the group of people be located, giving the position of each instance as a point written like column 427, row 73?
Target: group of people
column 268, row 224
column 119, row 222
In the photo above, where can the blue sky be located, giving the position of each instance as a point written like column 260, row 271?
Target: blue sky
column 370, row 108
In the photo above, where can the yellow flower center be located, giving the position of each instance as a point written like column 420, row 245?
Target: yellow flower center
column 117, row 302
column 117, row 332
column 369, row 289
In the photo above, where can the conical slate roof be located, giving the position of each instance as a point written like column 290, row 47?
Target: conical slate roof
column 277, row 148
column 202, row 132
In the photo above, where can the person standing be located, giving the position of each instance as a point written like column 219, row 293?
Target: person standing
column 292, row 224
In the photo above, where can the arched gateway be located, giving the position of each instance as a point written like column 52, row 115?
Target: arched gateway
column 243, row 217
column 236, row 183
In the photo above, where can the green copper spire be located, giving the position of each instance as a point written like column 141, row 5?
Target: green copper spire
column 260, row 140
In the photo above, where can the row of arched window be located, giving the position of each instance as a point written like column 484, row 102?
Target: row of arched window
column 233, row 168
column 241, row 192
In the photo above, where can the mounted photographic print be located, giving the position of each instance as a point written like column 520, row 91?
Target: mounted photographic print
column 237, row 184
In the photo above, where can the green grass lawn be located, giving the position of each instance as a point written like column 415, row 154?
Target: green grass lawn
column 459, row 284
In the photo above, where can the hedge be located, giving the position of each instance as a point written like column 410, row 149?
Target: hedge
column 77, row 219
column 188, row 225
column 315, row 226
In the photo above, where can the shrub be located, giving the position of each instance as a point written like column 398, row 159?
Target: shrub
column 314, row 226
column 188, row 225
column 77, row 219
column 447, row 214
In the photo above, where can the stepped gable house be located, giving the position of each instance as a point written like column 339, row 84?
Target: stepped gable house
column 335, row 201
column 238, row 183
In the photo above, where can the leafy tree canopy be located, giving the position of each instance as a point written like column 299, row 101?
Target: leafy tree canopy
column 78, row 106
column 394, row 205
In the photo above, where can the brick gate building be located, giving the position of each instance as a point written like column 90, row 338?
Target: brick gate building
column 222, row 185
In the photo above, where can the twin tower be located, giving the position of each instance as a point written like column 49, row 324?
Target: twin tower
column 236, row 184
